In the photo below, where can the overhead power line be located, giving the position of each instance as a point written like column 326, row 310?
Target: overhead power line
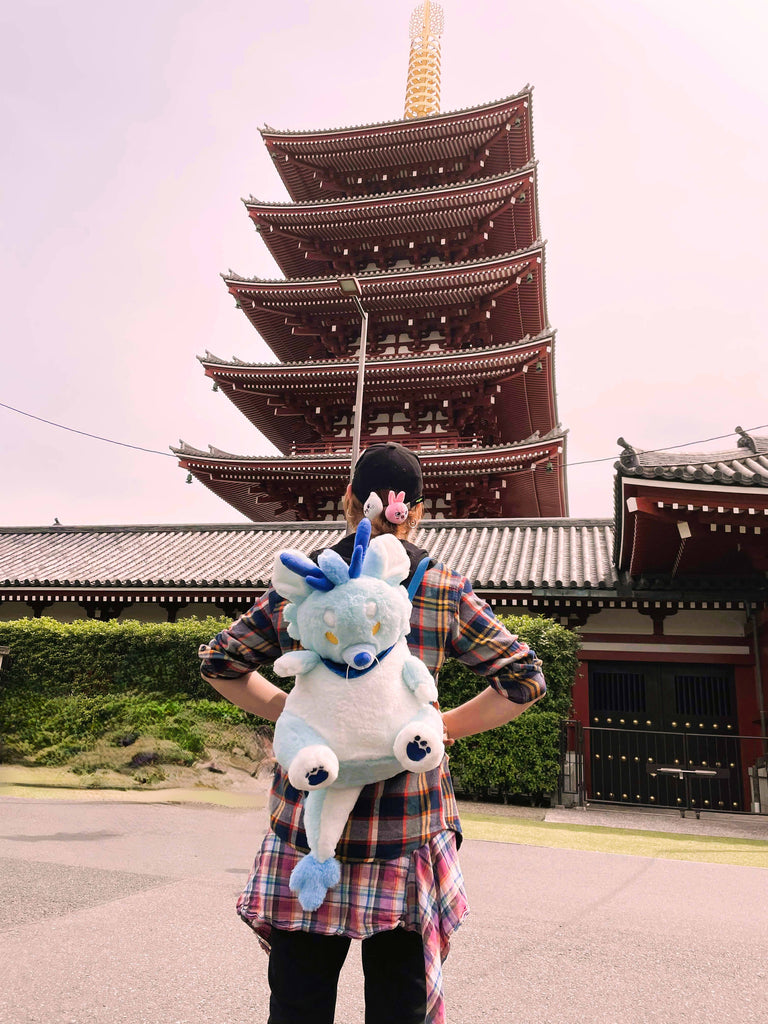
column 667, row 448
column 84, row 433
column 170, row 455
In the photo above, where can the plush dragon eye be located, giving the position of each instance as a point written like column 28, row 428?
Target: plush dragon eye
column 371, row 611
column 329, row 618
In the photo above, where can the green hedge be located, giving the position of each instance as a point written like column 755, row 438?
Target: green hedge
column 520, row 759
column 88, row 657
column 70, row 684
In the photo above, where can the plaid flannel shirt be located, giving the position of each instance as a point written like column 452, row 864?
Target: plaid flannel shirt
column 399, row 815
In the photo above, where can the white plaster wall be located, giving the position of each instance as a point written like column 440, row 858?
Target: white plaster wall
column 200, row 610
column 66, row 611
column 705, row 622
column 143, row 612
column 619, row 620
column 10, row 610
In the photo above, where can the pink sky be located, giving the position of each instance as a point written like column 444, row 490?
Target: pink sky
column 131, row 133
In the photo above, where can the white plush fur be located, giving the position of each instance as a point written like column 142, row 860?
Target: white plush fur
column 339, row 732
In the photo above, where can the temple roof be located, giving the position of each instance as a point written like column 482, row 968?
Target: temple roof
column 745, row 466
column 301, row 485
column 306, row 238
column 478, row 460
column 684, row 512
column 495, row 554
column 480, row 362
column 484, row 140
column 513, row 381
column 505, row 294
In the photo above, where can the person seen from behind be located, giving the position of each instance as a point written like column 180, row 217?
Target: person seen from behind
column 401, row 891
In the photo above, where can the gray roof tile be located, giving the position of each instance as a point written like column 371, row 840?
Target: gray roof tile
column 745, row 466
column 495, row 554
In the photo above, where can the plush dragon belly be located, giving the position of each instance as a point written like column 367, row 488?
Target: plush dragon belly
column 360, row 710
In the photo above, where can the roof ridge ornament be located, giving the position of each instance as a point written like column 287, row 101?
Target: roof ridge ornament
column 629, row 456
column 746, row 440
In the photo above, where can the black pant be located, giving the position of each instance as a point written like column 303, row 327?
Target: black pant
column 304, row 974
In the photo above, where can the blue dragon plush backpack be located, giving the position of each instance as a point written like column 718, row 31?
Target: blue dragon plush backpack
column 360, row 710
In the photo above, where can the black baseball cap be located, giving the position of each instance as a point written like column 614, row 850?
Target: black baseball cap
column 388, row 467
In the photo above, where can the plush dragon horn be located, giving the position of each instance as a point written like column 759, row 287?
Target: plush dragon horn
column 362, row 537
column 303, row 566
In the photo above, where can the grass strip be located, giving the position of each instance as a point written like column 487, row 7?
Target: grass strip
column 627, row 842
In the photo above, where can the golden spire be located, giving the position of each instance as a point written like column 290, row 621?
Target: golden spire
column 422, row 93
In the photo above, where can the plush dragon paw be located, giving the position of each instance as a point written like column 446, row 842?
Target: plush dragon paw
column 311, row 879
column 418, row 680
column 419, row 747
column 314, row 767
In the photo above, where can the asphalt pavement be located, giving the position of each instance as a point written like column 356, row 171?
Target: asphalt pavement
column 123, row 913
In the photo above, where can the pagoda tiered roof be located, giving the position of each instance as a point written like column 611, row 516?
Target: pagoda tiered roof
column 523, row 479
column 454, row 222
column 437, row 218
column 475, row 303
column 477, row 142
column 508, row 388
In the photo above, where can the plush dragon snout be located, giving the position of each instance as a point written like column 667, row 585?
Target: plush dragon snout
column 359, row 655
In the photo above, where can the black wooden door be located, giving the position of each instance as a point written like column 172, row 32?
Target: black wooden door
column 664, row 735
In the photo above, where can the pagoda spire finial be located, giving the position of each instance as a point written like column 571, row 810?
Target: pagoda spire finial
column 422, row 93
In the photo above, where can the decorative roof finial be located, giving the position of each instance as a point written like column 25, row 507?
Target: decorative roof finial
column 422, row 93
column 629, row 456
column 745, row 441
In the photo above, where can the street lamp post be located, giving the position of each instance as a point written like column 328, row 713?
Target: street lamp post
column 351, row 286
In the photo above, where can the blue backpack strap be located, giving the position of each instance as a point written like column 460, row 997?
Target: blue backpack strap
column 418, row 576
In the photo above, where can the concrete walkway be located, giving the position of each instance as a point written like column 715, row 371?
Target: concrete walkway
column 711, row 823
column 123, row 913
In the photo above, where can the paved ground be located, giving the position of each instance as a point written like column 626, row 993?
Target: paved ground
column 734, row 826
column 122, row 913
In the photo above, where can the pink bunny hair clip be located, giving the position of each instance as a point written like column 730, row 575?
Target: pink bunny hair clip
column 396, row 510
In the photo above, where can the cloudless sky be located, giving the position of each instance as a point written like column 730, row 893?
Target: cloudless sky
column 130, row 133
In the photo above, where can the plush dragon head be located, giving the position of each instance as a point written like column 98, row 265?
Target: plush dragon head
column 350, row 614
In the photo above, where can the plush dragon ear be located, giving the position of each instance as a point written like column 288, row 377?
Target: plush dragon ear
column 295, row 576
column 386, row 559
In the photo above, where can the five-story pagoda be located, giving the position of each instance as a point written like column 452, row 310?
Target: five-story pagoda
column 437, row 218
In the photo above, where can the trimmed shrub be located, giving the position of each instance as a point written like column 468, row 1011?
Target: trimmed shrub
column 72, row 685
column 88, row 657
column 522, row 758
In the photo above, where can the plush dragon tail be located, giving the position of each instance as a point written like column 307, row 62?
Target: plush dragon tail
column 325, row 815
column 311, row 879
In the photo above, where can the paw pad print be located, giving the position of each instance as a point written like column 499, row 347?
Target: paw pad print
column 317, row 775
column 418, row 749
